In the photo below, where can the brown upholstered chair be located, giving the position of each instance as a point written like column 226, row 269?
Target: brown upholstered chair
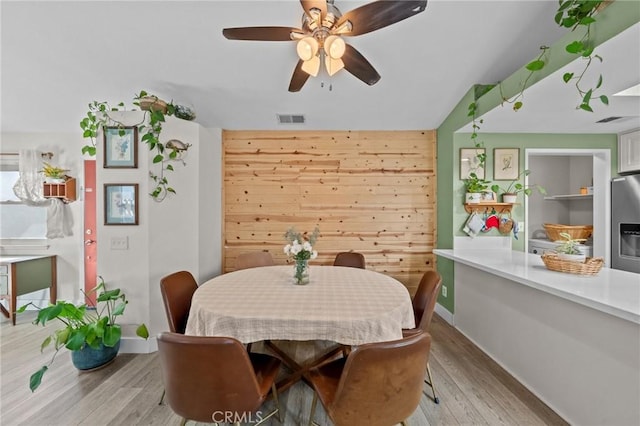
column 350, row 259
column 177, row 290
column 379, row 384
column 207, row 377
column 424, row 303
column 254, row 259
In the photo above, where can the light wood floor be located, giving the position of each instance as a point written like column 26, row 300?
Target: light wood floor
column 473, row 389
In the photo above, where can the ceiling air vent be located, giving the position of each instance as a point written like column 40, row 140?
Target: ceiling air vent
column 290, row 118
column 608, row 119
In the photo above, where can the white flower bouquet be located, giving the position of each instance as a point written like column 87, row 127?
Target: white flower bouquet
column 300, row 248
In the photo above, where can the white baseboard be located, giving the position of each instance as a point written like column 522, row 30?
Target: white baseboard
column 136, row 345
column 444, row 313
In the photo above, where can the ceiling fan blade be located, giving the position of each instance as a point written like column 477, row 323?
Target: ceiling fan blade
column 299, row 78
column 357, row 65
column 321, row 5
column 260, row 33
column 379, row 14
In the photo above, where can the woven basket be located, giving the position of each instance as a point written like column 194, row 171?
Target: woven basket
column 591, row 266
column 577, row 232
column 152, row 103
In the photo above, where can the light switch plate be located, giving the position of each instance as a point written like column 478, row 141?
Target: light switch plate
column 119, row 243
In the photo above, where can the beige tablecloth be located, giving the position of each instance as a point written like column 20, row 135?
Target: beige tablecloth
column 346, row 305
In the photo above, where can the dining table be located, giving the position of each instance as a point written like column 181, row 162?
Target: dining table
column 348, row 306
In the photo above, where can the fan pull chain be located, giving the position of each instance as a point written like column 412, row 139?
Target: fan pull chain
column 330, row 85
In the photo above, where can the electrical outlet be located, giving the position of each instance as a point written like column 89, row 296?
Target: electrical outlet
column 119, row 243
column 521, row 226
column 444, row 291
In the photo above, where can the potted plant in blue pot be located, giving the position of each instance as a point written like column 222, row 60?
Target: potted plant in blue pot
column 89, row 332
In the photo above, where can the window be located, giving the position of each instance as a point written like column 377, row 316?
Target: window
column 18, row 220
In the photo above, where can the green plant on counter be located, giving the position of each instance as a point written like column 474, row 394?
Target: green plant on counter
column 569, row 246
column 515, row 186
column 150, row 127
column 82, row 326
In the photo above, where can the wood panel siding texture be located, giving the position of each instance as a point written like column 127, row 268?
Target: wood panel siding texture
column 368, row 191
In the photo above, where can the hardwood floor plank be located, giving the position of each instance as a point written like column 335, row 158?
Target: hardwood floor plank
column 473, row 389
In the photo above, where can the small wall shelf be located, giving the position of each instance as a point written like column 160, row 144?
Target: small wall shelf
column 65, row 191
column 489, row 207
column 570, row 197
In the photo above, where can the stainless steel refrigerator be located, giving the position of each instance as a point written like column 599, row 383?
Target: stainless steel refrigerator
column 625, row 223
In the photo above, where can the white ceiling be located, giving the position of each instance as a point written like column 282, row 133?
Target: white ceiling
column 550, row 106
column 59, row 56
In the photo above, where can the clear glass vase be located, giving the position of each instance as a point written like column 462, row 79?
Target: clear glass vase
column 301, row 272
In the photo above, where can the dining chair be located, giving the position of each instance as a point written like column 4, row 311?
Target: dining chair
column 351, row 259
column 254, row 259
column 424, row 303
column 177, row 290
column 208, row 376
column 379, row 384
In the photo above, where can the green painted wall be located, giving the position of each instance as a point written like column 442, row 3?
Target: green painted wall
column 614, row 19
column 522, row 141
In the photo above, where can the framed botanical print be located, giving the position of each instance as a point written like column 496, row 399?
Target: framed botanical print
column 121, row 204
column 506, row 163
column 121, row 147
column 471, row 162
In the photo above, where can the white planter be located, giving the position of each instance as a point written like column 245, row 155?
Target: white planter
column 473, row 197
column 53, row 180
column 572, row 257
column 509, row 198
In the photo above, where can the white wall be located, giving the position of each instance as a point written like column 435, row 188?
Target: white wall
column 183, row 232
column 66, row 148
column 582, row 362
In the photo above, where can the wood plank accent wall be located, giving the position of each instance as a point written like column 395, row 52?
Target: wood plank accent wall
column 369, row 191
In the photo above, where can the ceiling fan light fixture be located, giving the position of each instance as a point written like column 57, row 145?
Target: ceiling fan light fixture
column 307, row 48
column 312, row 66
column 333, row 65
column 334, row 46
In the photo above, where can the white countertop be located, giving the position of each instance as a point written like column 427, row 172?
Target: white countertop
column 14, row 259
column 612, row 291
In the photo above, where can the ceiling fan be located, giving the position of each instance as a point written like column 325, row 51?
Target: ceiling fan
column 320, row 38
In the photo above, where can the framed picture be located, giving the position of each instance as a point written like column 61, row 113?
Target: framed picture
column 120, row 203
column 121, row 147
column 506, row 163
column 470, row 163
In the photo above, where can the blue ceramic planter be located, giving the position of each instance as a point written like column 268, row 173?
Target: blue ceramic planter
column 88, row 358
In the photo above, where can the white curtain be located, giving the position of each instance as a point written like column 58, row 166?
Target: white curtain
column 30, row 189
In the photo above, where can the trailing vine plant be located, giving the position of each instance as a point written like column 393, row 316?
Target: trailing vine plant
column 98, row 117
column 482, row 156
column 574, row 14
column 571, row 14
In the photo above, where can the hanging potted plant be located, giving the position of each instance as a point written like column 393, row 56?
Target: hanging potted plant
column 150, row 127
column 89, row 332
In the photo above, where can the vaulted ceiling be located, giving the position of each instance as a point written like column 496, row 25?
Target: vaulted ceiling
column 59, row 56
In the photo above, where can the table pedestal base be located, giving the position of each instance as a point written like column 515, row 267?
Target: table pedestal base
column 298, row 371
